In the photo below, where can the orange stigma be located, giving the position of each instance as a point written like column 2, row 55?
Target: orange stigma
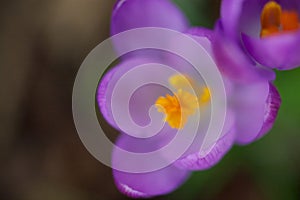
column 177, row 108
column 275, row 20
column 184, row 103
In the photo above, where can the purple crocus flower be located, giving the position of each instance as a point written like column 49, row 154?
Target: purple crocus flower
column 267, row 30
column 157, row 13
column 255, row 104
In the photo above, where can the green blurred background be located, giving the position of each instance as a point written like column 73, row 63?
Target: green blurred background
column 42, row 44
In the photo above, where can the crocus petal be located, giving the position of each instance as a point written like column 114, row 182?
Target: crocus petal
column 289, row 5
column 241, row 16
column 249, row 20
column 272, row 107
column 129, row 14
column 230, row 15
column 233, row 61
column 201, row 32
column 212, row 155
column 256, row 107
column 280, row 51
column 142, row 98
column 108, row 82
column 145, row 185
column 203, row 36
column 102, row 96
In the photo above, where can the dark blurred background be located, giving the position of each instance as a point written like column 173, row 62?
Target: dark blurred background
column 42, row 45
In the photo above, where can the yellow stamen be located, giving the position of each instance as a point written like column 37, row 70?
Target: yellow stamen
column 270, row 16
column 205, row 96
column 183, row 104
column 274, row 20
column 180, row 81
column 177, row 108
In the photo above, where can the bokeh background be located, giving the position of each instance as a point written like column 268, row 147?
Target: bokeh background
column 42, row 44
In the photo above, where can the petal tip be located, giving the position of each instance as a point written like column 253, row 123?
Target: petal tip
column 130, row 192
column 197, row 161
column 272, row 107
column 130, row 14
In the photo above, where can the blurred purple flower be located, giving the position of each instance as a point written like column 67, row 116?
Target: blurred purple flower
column 266, row 30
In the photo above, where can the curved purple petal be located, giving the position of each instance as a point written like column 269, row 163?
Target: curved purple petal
column 129, row 14
column 289, row 5
column 230, row 15
column 233, row 61
column 280, row 51
column 204, row 37
column 102, row 95
column 142, row 98
column 241, row 16
column 230, row 57
column 108, row 82
column 271, row 110
column 201, row 32
column 195, row 160
column 249, row 103
column 145, row 185
column 249, row 20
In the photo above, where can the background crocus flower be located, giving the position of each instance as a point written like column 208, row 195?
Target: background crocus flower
column 267, row 30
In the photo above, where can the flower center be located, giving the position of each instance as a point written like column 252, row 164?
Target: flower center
column 274, row 20
column 183, row 104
